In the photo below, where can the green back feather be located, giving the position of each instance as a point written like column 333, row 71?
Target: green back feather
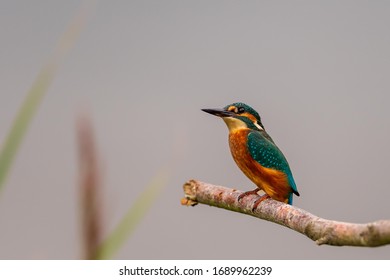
column 265, row 152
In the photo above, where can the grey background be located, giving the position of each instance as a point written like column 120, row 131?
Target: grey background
column 317, row 71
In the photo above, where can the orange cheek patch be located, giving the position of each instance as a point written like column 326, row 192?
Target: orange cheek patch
column 250, row 116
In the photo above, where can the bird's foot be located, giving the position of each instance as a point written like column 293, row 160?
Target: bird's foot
column 259, row 200
column 247, row 193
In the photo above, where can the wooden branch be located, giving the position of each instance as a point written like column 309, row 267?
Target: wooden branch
column 320, row 230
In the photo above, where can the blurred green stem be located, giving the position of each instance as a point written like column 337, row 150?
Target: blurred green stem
column 22, row 121
column 133, row 216
column 38, row 91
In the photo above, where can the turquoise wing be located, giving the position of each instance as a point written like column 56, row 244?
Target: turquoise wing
column 268, row 155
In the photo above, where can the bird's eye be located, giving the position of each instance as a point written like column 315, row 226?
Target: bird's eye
column 241, row 110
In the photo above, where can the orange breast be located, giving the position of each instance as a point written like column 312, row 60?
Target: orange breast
column 272, row 182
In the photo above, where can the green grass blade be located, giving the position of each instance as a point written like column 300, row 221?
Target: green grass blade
column 21, row 122
column 36, row 94
column 128, row 224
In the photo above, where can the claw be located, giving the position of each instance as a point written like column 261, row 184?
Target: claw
column 259, row 200
column 247, row 193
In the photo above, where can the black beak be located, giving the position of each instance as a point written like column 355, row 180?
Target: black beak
column 219, row 112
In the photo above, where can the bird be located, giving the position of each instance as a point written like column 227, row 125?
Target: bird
column 256, row 154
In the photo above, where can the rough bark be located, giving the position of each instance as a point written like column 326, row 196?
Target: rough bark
column 320, row 230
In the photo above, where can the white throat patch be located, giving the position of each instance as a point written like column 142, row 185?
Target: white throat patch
column 236, row 124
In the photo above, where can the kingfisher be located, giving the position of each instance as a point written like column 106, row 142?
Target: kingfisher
column 256, row 154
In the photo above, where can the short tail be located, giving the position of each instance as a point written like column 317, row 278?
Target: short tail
column 290, row 197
